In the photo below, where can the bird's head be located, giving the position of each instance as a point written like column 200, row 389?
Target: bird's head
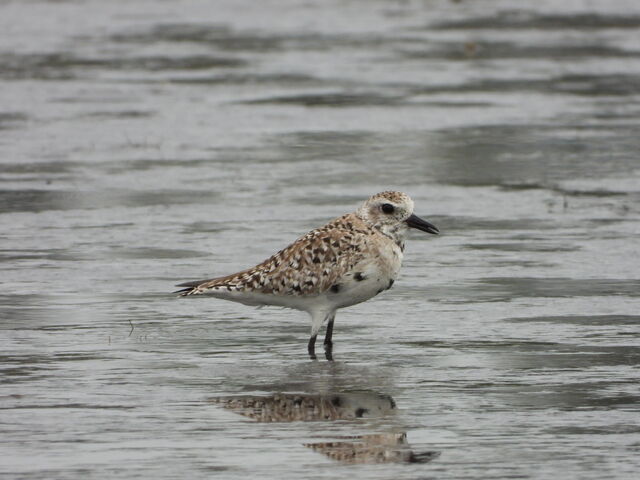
column 392, row 214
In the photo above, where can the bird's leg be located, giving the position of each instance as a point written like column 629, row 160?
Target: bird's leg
column 318, row 317
column 329, row 334
column 328, row 343
column 311, row 347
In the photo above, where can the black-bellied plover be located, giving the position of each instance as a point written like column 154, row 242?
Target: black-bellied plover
column 348, row 261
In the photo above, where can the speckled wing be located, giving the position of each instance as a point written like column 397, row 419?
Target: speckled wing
column 309, row 266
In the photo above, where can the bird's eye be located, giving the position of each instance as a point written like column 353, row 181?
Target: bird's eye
column 387, row 208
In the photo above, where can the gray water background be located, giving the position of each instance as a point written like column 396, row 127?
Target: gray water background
column 143, row 143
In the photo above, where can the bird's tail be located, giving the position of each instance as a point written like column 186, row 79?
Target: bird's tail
column 191, row 288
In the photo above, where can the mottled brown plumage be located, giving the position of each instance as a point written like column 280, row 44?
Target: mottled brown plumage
column 309, row 266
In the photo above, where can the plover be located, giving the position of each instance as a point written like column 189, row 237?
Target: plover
column 349, row 260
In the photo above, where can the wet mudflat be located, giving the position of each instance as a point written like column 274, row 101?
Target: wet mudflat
column 146, row 143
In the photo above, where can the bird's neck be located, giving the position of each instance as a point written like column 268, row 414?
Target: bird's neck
column 397, row 233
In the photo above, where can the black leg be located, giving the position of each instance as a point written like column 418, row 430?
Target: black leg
column 328, row 343
column 311, row 347
column 329, row 334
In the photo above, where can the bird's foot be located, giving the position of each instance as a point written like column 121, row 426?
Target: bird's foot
column 328, row 350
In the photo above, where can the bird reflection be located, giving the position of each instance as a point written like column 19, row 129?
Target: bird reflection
column 378, row 448
column 287, row 407
column 291, row 407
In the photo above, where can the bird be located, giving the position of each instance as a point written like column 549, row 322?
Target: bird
column 345, row 262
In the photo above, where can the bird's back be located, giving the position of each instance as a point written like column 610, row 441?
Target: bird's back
column 310, row 266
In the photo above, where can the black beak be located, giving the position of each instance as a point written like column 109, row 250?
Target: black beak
column 415, row 221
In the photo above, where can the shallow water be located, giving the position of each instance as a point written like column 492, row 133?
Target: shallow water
column 147, row 143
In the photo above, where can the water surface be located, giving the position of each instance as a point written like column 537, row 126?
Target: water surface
column 146, row 143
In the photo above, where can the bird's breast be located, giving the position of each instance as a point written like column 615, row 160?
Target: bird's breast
column 389, row 259
column 374, row 274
